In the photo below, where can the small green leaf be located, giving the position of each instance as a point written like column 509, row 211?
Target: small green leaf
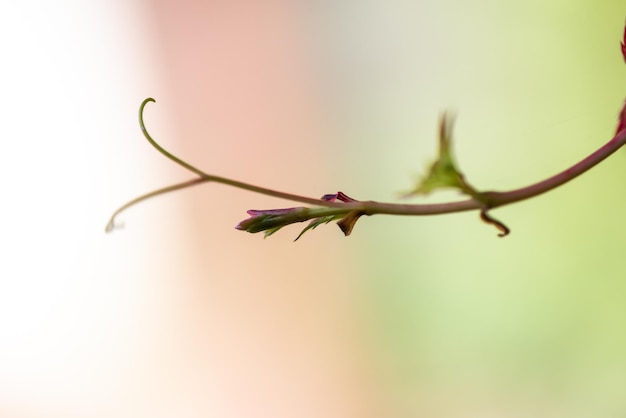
column 317, row 222
column 271, row 231
column 443, row 173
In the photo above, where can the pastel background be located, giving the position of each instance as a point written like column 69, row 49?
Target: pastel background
column 178, row 314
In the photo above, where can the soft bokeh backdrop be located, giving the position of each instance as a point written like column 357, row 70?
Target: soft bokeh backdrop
column 178, row 314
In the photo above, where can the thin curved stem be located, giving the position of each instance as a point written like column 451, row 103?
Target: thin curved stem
column 111, row 224
column 223, row 180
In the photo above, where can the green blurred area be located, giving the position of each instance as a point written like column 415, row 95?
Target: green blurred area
column 460, row 322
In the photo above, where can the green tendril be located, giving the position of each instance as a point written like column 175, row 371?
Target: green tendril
column 111, row 224
column 204, row 178
column 163, row 150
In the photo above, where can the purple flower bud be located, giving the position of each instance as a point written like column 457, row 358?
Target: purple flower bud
column 270, row 219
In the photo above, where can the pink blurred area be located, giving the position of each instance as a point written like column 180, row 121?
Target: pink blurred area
column 269, row 327
column 189, row 317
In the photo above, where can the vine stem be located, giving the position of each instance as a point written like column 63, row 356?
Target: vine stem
column 493, row 199
column 488, row 200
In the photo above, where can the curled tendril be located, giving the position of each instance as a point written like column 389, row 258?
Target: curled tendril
column 504, row 230
column 163, row 150
column 111, row 225
column 203, row 178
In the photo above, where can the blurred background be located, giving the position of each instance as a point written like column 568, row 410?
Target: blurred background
column 178, row 314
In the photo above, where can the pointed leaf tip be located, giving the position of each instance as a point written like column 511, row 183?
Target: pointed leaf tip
column 317, row 222
column 623, row 44
column 443, row 173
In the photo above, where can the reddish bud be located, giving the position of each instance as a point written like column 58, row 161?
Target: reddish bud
column 264, row 220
